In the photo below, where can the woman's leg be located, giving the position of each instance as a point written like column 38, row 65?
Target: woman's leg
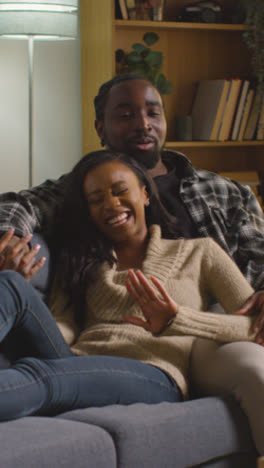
column 24, row 316
column 49, row 387
column 232, row 369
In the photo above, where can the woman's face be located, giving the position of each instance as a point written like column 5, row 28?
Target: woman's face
column 116, row 202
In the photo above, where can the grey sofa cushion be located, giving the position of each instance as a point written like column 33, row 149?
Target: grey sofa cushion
column 174, row 435
column 52, row 443
column 232, row 461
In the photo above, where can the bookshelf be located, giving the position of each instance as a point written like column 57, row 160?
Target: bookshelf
column 192, row 52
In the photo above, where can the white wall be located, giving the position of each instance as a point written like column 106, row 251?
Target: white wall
column 56, row 111
column 13, row 115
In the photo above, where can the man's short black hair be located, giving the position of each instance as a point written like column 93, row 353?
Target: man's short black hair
column 100, row 99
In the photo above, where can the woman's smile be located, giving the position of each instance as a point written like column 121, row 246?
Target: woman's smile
column 119, row 220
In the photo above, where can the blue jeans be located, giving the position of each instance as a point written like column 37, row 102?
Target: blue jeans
column 54, row 380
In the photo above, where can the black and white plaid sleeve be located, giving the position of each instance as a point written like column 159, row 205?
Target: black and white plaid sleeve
column 34, row 209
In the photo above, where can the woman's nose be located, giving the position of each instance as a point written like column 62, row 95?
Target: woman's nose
column 111, row 202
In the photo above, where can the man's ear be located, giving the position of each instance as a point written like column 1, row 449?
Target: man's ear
column 99, row 127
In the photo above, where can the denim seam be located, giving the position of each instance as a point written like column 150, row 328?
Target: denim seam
column 43, row 329
column 22, row 385
column 94, row 371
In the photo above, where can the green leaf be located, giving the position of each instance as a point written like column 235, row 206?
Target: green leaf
column 150, row 38
column 154, row 58
column 139, row 48
column 139, row 68
column 164, row 86
column 133, row 57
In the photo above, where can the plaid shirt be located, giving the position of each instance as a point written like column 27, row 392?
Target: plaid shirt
column 219, row 208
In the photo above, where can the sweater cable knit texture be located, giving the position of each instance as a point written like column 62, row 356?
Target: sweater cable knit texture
column 194, row 272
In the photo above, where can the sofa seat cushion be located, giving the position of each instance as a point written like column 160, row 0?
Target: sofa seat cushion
column 48, row 443
column 176, row 435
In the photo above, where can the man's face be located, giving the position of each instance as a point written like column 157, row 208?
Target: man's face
column 134, row 121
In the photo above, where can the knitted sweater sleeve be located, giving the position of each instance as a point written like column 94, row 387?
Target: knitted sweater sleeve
column 222, row 279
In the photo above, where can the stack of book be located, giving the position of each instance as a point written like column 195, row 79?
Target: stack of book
column 143, row 10
column 227, row 109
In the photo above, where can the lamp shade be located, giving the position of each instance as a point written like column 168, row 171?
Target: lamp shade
column 39, row 18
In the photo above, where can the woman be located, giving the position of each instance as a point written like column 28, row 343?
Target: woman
column 137, row 295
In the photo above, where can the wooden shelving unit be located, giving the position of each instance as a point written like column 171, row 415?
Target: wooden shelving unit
column 176, row 25
column 192, row 51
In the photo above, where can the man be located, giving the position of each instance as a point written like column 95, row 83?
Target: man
column 130, row 117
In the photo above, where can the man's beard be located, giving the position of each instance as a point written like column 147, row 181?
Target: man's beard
column 148, row 159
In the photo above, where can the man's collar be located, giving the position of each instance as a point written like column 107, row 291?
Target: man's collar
column 179, row 163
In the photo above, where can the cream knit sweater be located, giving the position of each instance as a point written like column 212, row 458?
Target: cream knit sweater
column 193, row 272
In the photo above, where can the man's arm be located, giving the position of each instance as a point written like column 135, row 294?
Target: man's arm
column 34, row 209
column 250, row 253
column 229, row 213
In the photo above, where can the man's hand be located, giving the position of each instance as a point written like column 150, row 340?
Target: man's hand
column 255, row 305
column 15, row 254
column 158, row 309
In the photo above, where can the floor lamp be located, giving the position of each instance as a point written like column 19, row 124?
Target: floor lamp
column 42, row 20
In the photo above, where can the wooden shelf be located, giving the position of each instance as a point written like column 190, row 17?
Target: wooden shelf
column 213, row 144
column 177, row 25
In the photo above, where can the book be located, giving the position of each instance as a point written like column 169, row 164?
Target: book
column 229, row 111
column 239, row 110
column 220, row 110
column 253, row 117
column 245, row 115
column 209, row 98
column 260, row 127
column 131, row 9
column 121, row 4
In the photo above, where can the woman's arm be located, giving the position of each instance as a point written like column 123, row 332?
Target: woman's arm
column 221, row 279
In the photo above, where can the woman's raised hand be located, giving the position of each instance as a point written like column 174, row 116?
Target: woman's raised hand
column 157, row 307
column 15, row 254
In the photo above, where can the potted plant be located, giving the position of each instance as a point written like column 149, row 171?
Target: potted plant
column 254, row 37
column 142, row 59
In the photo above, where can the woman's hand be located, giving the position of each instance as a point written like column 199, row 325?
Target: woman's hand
column 16, row 255
column 158, row 309
column 255, row 305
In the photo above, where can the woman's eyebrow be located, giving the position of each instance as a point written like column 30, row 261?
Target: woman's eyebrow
column 96, row 191
column 93, row 192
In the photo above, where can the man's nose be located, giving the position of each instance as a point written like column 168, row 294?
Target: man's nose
column 143, row 122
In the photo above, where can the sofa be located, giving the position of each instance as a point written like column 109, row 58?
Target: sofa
column 209, row 432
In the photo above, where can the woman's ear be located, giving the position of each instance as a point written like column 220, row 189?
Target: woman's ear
column 146, row 195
